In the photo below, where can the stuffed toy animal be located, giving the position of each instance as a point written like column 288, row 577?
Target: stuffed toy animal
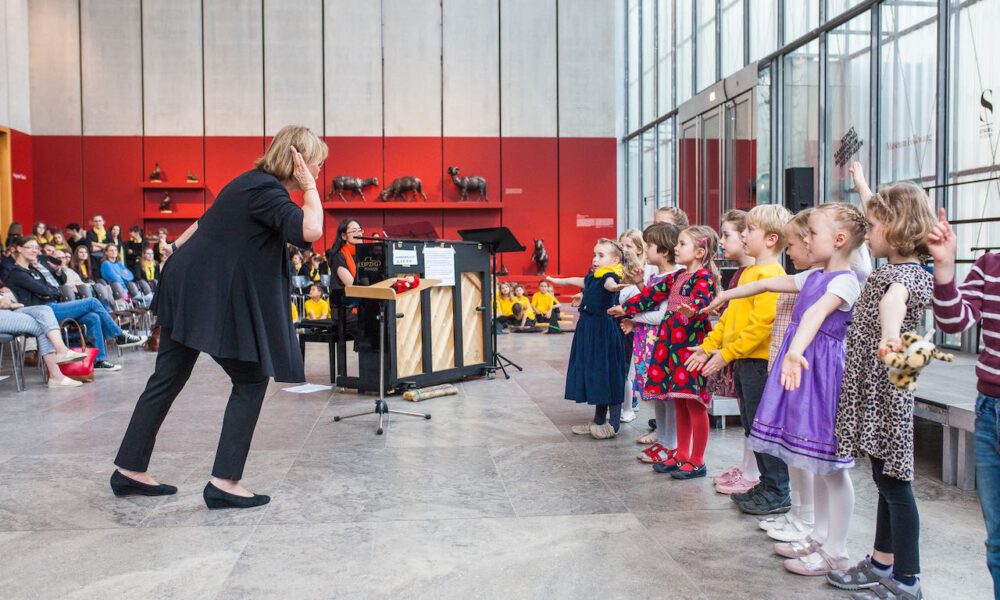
column 905, row 366
column 406, row 283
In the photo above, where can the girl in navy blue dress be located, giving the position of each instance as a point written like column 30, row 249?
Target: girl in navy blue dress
column 597, row 365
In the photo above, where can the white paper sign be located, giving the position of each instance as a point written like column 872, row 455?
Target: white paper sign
column 404, row 258
column 308, row 388
column 439, row 263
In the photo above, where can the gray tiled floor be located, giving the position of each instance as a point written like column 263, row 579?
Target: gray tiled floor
column 492, row 498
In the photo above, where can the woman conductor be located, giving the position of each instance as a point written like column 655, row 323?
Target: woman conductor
column 224, row 291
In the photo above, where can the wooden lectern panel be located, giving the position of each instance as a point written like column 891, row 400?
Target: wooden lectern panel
column 472, row 319
column 443, row 327
column 409, row 342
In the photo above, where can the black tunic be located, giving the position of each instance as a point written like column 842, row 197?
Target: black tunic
column 226, row 291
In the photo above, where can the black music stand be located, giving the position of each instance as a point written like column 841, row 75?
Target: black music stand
column 497, row 240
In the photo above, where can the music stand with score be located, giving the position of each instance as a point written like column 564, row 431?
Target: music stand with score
column 497, row 240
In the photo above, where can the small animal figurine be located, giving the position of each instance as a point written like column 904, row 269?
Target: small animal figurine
column 473, row 183
column 405, row 283
column 401, row 185
column 166, row 205
column 905, row 366
column 540, row 257
column 355, row 185
column 156, row 176
column 191, row 177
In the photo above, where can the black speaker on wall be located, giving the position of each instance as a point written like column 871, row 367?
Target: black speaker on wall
column 798, row 188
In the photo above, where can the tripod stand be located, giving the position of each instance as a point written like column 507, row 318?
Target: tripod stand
column 381, row 405
column 496, row 240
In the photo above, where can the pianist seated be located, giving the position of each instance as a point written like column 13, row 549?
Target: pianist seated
column 340, row 256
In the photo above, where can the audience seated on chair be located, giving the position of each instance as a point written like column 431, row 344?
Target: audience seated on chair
column 39, row 322
column 114, row 272
column 32, row 288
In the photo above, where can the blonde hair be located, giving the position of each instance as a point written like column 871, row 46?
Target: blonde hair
column 634, row 236
column 616, row 246
column 705, row 238
column 277, row 159
column 905, row 211
column 798, row 225
column 771, row 219
column 848, row 218
column 737, row 217
column 631, row 264
column 680, row 217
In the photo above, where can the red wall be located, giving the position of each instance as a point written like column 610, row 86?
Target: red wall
column 23, row 179
column 563, row 191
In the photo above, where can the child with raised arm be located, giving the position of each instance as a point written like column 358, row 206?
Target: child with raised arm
column 596, row 372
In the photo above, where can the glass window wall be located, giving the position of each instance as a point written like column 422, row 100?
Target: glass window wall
column 848, row 102
column 633, row 66
column 707, row 75
column 648, row 177
column 732, row 36
column 648, row 60
column 664, row 56
column 665, row 165
column 763, row 28
column 801, row 17
column 800, row 126
column 685, row 49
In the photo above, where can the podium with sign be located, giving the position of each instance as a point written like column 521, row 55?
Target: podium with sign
column 438, row 335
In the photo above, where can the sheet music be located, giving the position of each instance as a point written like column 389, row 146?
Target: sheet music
column 439, row 263
column 404, row 258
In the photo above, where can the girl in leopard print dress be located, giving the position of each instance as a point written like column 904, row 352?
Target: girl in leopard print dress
column 875, row 418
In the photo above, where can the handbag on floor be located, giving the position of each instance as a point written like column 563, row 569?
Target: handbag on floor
column 81, row 370
column 153, row 342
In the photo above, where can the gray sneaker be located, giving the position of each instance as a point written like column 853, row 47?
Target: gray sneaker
column 859, row 577
column 890, row 589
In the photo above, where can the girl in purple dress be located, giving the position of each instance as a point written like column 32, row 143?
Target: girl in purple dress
column 796, row 420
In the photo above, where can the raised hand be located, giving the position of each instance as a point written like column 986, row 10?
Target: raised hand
column 858, row 174
column 715, row 304
column 628, row 326
column 791, row 370
column 943, row 243
column 301, row 174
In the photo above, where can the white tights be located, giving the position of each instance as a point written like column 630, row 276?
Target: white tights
column 834, row 497
column 666, row 423
column 802, row 486
column 749, row 465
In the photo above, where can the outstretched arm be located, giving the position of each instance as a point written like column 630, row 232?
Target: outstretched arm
column 891, row 312
column 781, row 284
column 860, row 185
column 573, row 281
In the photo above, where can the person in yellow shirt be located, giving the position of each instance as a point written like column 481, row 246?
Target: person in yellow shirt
column 504, row 308
column 546, row 307
column 743, row 338
column 316, row 307
column 521, row 309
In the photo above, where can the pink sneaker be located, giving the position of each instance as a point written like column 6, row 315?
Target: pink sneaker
column 737, row 485
column 727, row 475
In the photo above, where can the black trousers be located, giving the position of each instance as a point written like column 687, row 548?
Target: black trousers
column 749, row 379
column 174, row 363
column 897, row 524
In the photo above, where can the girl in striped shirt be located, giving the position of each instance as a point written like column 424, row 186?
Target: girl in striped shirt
column 955, row 310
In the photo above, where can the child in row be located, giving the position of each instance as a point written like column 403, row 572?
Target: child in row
column 686, row 292
column 874, row 417
column 521, row 311
column 955, row 310
column 546, row 307
column 631, row 241
column 741, row 478
column 596, row 372
column 742, row 338
column 799, row 521
column 797, row 415
column 661, row 242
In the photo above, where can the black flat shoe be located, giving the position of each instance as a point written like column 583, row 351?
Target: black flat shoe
column 216, row 498
column 124, row 486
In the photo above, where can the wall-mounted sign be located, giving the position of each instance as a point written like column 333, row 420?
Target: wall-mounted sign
column 849, row 146
column 19, row 176
column 986, row 114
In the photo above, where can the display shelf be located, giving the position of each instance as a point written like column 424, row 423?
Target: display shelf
column 179, row 213
column 417, row 205
column 172, row 185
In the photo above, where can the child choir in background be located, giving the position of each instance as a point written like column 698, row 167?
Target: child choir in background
column 802, row 354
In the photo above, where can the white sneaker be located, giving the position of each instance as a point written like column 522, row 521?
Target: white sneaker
column 70, row 356
column 792, row 530
column 65, row 382
column 628, row 416
column 602, row 432
column 581, row 429
column 771, row 522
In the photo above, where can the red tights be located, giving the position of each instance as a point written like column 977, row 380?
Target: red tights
column 692, row 431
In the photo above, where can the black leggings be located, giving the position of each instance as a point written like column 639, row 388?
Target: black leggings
column 601, row 413
column 897, row 526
